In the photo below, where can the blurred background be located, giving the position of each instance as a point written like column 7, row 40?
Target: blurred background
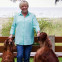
column 48, row 14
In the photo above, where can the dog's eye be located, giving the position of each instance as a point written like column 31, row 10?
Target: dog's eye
column 11, row 43
column 7, row 42
column 38, row 39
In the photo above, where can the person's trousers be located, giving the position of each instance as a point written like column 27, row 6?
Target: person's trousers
column 23, row 51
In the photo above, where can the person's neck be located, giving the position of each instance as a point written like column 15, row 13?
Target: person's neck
column 25, row 13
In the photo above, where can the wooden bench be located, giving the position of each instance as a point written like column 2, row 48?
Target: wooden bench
column 57, row 49
column 2, row 39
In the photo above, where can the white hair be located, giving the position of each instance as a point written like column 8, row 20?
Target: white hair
column 23, row 2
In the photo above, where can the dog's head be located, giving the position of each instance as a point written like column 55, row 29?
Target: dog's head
column 42, row 37
column 8, row 43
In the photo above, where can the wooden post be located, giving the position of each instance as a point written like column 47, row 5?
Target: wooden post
column 52, row 38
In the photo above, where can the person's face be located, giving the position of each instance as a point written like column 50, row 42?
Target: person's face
column 24, row 8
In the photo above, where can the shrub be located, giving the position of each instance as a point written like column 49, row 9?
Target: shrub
column 6, row 28
column 51, row 27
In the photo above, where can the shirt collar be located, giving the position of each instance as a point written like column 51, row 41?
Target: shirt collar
column 21, row 13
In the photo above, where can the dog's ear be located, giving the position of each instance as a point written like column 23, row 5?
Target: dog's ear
column 13, row 43
column 5, row 45
column 5, row 42
column 13, row 46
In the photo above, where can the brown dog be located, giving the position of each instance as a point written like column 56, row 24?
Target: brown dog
column 8, row 51
column 45, row 53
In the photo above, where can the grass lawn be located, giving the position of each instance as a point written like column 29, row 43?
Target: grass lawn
column 60, row 59
column 31, row 59
column 0, row 59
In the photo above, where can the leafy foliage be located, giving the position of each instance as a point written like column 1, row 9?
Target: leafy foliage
column 51, row 27
column 6, row 28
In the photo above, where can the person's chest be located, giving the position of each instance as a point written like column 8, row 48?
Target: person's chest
column 24, row 20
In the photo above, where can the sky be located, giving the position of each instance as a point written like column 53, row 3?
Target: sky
column 32, row 3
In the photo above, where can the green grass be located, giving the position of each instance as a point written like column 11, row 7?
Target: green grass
column 0, row 59
column 60, row 59
column 31, row 59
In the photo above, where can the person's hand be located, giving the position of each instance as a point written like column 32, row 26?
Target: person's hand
column 10, row 36
column 38, row 33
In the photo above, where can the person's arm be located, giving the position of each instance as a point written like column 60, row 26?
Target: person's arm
column 36, row 25
column 12, row 31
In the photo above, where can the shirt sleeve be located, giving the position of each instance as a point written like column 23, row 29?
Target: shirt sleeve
column 35, row 24
column 12, row 31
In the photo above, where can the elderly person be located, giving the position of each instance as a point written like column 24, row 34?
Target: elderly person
column 23, row 28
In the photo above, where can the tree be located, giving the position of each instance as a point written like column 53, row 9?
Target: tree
column 57, row 1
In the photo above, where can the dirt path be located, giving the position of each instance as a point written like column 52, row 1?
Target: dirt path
column 3, row 21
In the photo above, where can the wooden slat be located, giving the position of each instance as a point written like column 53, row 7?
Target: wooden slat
column 58, row 48
column 59, row 54
column 2, row 49
column 36, row 39
column 2, row 39
column 58, row 39
column 15, row 54
column 34, row 48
